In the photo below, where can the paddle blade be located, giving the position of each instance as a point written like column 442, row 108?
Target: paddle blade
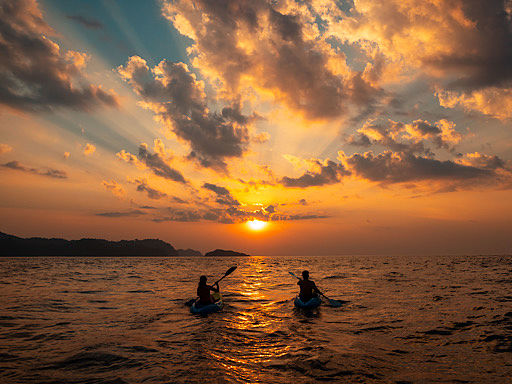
column 294, row 275
column 335, row 303
column 230, row 271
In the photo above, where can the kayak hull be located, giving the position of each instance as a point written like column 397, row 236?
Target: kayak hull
column 199, row 309
column 310, row 304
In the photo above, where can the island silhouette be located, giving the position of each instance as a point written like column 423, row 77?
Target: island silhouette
column 11, row 245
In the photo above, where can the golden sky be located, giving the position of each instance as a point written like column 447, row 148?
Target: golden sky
column 341, row 127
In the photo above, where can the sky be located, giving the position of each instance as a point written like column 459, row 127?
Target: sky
column 344, row 127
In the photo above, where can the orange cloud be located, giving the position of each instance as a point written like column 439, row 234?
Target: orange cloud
column 5, row 148
column 114, row 187
column 493, row 101
column 273, row 48
column 89, row 149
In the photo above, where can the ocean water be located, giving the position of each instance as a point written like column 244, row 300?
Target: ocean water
column 123, row 320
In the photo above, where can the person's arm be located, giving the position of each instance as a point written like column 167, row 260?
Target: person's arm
column 215, row 287
column 315, row 289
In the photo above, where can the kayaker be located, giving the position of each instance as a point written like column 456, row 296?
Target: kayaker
column 308, row 288
column 203, row 291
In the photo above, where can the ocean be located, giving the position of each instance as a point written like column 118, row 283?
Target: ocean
column 443, row 319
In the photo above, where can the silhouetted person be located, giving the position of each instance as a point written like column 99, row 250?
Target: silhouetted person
column 203, row 291
column 308, row 288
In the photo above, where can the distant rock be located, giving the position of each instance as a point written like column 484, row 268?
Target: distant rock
column 224, row 252
column 188, row 252
column 37, row 246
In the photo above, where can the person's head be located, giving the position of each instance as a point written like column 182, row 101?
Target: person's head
column 305, row 275
column 202, row 280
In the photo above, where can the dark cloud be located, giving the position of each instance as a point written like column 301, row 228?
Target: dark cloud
column 86, row 22
column 34, row 73
column 178, row 200
column 298, row 217
column 396, row 167
column 175, row 95
column 328, row 172
column 133, row 212
column 224, row 197
column 218, row 190
column 158, row 165
column 49, row 172
column 180, row 215
column 359, row 139
column 463, row 43
column 270, row 209
column 142, row 186
column 486, row 57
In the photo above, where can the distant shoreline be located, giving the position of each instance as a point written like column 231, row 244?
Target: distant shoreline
column 14, row 246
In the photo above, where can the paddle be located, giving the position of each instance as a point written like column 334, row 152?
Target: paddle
column 228, row 272
column 332, row 302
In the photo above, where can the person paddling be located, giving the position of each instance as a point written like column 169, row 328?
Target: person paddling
column 203, row 291
column 308, row 288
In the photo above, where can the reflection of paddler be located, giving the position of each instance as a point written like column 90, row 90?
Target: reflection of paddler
column 203, row 291
column 308, row 288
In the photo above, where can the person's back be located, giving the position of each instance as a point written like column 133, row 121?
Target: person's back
column 308, row 287
column 203, row 291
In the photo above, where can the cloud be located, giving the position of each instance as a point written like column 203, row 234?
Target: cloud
column 129, row 158
column 413, row 137
column 89, row 149
column 466, row 41
column 298, row 217
column 180, row 215
column 114, row 187
column 482, row 161
column 174, row 94
column 275, row 48
column 66, row 155
column 223, row 195
column 158, row 165
column 462, row 45
column 5, row 148
column 130, row 213
column 323, row 173
column 142, row 186
column 86, row 22
column 398, row 167
column 147, row 207
column 493, row 101
column 35, row 74
column 270, row 209
column 261, row 138
column 49, row 172
column 218, row 190
column 157, row 162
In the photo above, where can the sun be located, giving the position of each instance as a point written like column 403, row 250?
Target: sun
column 256, row 225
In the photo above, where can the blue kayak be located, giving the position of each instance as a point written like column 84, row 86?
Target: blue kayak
column 201, row 309
column 310, row 304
